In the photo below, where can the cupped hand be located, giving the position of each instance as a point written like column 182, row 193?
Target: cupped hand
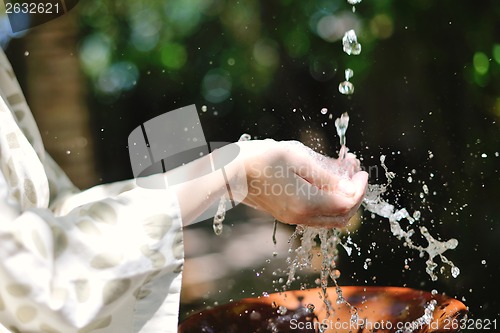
column 299, row 186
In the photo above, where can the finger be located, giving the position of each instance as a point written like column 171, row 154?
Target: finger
column 315, row 171
column 347, row 196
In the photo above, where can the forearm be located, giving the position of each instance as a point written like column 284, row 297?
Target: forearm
column 201, row 184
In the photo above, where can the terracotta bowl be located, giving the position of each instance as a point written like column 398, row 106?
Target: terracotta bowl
column 380, row 309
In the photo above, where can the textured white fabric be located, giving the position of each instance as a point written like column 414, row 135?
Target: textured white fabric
column 105, row 260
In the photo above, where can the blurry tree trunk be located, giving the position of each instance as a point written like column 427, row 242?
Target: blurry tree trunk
column 56, row 92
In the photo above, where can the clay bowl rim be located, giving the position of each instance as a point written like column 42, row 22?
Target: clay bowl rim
column 446, row 307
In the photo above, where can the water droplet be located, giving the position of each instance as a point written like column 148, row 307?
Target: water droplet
column 409, row 179
column 335, row 274
column 353, row 2
column 341, row 125
column 274, row 305
column 310, row 307
column 324, row 111
column 346, row 88
column 434, row 292
column 350, row 43
column 354, row 314
column 416, row 214
column 348, row 74
column 68, row 152
column 204, row 108
column 220, row 216
column 245, row 137
column 483, row 262
column 275, row 254
column 282, row 310
column 265, row 294
column 26, row 53
column 455, row 271
column 426, row 189
column 268, row 261
column 218, row 228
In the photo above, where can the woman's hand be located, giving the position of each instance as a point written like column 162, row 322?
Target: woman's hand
column 299, row 186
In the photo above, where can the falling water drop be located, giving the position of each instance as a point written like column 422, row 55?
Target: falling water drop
column 204, row 108
column 350, row 43
column 346, row 88
column 455, row 271
column 349, row 73
column 245, row 137
column 324, row 111
column 341, row 125
column 220, row 216
column 282, row 310
column 353, row 2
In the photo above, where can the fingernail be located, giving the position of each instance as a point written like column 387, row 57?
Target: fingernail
column 346, row 187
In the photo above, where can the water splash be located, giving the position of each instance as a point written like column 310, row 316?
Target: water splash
column 301, row 258
column 341, row 125
column 220, row 215
column 374, row 203
column 422, row 321
column 350, row 43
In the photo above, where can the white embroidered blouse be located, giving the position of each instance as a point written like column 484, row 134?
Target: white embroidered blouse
column 105, row 260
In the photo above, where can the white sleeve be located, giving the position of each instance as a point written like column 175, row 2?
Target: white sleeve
column 72, row 270
column 90, row 257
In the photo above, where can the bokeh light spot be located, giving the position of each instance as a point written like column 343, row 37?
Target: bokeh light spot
column 95, row 54
column 481, row 63
column 496, row 53
column 216, row 85
column 173, row 55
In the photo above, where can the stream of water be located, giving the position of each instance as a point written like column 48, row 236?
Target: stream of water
column 330, row 238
